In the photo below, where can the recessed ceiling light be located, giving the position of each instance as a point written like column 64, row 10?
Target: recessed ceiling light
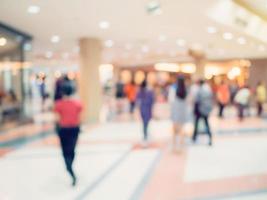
column 181, row 42
column 211, row 30
column 3, row 41
column 241, row 40
column 228, row 36
column 145, row 49
column 33, row 9
column 262, row 48
column 104, row 25
column 109, row 43
column 55, row 39
column 49, row 54
column 162, row 38
column 153, row 8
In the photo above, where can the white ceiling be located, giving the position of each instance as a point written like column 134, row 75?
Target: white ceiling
column 129, row 24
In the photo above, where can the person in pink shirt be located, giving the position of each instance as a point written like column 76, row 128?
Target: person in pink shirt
column 68, row 111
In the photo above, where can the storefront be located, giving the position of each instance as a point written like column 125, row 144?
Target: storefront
column 15, row 50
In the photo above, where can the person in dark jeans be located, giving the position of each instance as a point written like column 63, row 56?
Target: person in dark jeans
column 68, row 111
column 68, row 140
column 203, row 107
column 205, row 118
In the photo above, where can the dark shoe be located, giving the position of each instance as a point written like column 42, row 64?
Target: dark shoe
column 74, row 181
column 210, row 143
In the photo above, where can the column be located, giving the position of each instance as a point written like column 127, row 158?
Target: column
column 89, row 81
column 200, row 67
column 200, row 62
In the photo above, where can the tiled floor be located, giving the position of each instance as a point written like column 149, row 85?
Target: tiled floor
column 112, row 165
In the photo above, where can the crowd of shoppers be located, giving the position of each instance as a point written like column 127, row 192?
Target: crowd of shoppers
column 189, row 103
column 192, row 103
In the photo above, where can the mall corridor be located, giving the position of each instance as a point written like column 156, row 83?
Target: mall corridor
column 133, row 100
column 112, row 164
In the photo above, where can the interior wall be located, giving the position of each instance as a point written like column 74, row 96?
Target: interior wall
column 258, row 72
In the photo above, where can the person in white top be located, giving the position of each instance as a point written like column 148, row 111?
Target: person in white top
column 242, row 100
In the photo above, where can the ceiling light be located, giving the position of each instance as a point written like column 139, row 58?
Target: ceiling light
column 104, row 25
column 33, row 9
column 262, row 48
column 55, row 39
column 181, row 42
column 211, row 30
column 188, row 68
column 153, row 8
column 49, row 54
column 241, row 40
column 3, row 41
column 109, row 43
column 228, row 36
column 145, row 49
column 162, row 38
column 167, row 67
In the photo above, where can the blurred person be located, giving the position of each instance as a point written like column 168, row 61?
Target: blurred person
column 242, row 98
column 179, row 110
column 145, row 99
column 260, row 96
column 202, row 108
column 130, row 91
column 42, row 88
column 68, row 110
column 233, row 88
column 223, row 97
column 2, row 94
column 58, row 86
column 119, row 95
column 58, row 90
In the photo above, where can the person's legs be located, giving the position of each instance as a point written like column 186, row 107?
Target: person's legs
column 132, row 106
column 260, row 108
column 221, row 108
column 145, row 129
column 240, row 112
column 68, row 140
column 197, row 117
column 206, row 119
column 74, row 132
column 176, row 129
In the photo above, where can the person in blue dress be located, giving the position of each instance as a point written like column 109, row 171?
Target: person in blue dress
column 145, row 99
